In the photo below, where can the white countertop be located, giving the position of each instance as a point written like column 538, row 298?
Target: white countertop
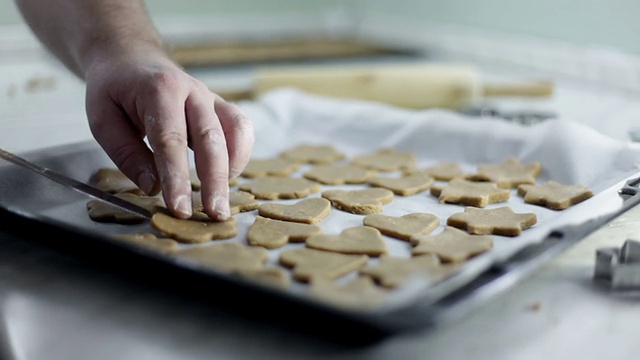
column 52, row 311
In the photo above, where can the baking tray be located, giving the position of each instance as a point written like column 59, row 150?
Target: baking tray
column 36, row 209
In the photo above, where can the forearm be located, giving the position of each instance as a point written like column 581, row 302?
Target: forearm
column 81, row 32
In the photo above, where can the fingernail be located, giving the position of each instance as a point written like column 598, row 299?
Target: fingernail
column 183, row 206
column 147, row 181
column 221, row 206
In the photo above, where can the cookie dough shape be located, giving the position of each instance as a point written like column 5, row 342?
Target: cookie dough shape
column 239, row 201
column 313, row 154
column 269, row 167
column 554, row 195
column 149, row 241
column 498, row 221
column 403, row 227
column 310, row 263
column 354, row 240
column 443, row 171
column 386, row 159
column 471, row 193
column 360, row 294
column 101, row 211
column 272, row 188
column 394, row 271
column 405, row 185
column 271, row 276
column 508, row 174
column 308, row 211
column 113, row 181
column 197, row 229
column 361, row 201
column 339, row 174
column 228, row 257
column 271, row 233
column 452, row 245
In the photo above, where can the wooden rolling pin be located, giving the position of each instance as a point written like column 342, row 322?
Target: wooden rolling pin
column 416, row 86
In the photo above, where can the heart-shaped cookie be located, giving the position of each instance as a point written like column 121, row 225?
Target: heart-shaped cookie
column 271, row 233
column 403, row 227
column 354, row 240
column 309, row 263
column 308, row 211
column 405, row 185
column 339, row 174
column 362, row 201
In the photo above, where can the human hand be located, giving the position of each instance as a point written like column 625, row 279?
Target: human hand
column 144, row 94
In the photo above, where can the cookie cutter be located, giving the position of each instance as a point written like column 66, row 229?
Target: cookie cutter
column 620, row 267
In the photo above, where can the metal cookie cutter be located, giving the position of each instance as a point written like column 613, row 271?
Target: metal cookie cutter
column 619, row 266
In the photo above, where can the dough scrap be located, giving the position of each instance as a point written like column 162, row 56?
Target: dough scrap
column 452, row 245
column 471, row 193
column 149, row 241
column 308, row 211
column 362, row 201
column 405, row 185
column 403, row 227
column 269, row 167
column 508, row 174
column 271, row 233
column 554, row 195
column 354, row 240
column 197, row 229
column 443, row 171
column 359, row 294
column 386, row 159
column 339, row 174
column 313, row 154
column 498, row 221
column 309, row 263
column 394, row 271
column 272, row 188
column 101, row 211
column 228, row 257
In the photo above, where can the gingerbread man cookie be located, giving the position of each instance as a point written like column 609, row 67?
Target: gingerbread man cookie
column 309, row 263
column 508, row 174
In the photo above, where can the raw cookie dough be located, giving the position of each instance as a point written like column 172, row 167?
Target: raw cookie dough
column 197, row 229
column 339, row 174
column 471, row 193
column 149, row 241
column 309, row 263
column 104, row 212
column 508, row 174
column 554, row 195
column 394, row 271
column 386, row 159
column 443, row 171
column 271, row 276
column 228, row 257
column 354, row 240
column 313, row 154
column 498, row 221
column 405, row 185
column 359, row 294
column 271, row 233
column 113, row 181
column 403, row 227
column 451, row 245
column 362, row 201
column 308, row 211
column 239, row 201
column 272, row 188
column 269, row 167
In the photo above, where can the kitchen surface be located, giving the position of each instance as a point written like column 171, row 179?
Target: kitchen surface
column 54, row 305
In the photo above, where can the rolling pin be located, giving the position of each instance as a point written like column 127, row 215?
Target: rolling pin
column 416, row 86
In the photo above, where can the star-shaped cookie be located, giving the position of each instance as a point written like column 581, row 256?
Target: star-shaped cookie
column 451, row 245
column 471, row 193
column 554, row 195
column 508, row 174
column 498, row 221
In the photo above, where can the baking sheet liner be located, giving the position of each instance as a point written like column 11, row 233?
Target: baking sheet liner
column 568, row 151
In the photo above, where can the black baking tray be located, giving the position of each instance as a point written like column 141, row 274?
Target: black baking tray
column 28, row 200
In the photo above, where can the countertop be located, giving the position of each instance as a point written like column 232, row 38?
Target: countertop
column 53, row 306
